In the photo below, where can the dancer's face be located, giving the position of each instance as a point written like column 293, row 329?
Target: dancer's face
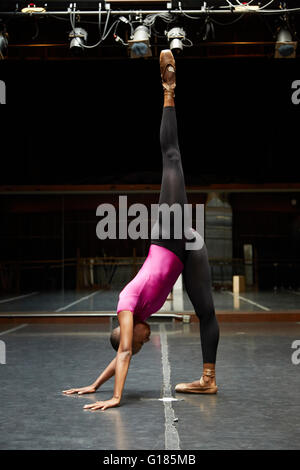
column 141, row 335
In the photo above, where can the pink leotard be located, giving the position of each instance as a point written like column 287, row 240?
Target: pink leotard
column 148, row 290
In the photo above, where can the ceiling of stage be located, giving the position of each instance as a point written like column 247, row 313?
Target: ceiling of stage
column 220, row 31
column 94, row 118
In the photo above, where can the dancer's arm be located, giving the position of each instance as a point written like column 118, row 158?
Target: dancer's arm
column 123, row 359
column 103, row 377
column 106, row 374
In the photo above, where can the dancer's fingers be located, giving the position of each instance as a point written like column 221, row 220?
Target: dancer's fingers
column 93, row 405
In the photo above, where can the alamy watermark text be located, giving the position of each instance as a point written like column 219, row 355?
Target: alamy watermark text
column 166, row 221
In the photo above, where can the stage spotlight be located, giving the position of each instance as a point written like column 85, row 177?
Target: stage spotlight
column 3, row 45
column 285, row 47
column 78, row 38
column 140, row 45
column 175, row 37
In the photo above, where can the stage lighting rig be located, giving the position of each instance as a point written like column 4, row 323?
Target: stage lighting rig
column 176, row 36
column 140, row 43
column 3, row 41
column 78, row 38
column 285, row 47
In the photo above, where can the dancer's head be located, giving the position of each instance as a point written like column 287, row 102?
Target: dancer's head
column 141, row 335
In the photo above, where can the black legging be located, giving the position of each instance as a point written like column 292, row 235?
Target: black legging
column 196, row 272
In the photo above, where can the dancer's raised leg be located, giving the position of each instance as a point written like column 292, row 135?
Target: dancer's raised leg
column 172, row 184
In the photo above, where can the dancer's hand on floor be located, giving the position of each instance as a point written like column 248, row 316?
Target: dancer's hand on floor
column 103, row 405
column 80, row 391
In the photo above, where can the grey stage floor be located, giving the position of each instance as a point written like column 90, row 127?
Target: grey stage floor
column 106, row 301
column 257, row 406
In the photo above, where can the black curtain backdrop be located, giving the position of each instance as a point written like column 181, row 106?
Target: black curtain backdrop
column 96, row 122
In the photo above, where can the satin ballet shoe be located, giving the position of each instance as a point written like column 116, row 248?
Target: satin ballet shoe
column 200, row 386
column 168, row 72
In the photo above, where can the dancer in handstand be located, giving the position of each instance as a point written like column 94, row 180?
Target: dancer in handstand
column 167, row 258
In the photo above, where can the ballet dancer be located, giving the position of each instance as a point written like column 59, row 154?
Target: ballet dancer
column 167, row 259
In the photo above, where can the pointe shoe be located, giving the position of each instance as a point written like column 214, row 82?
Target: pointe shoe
column 168, row 72
column 200, row 386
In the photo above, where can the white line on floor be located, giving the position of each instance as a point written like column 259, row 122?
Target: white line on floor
column 13, row 329
column 168, row 399
column 249, row 301
column 171, row 434
column 76, row 301
column 18, row 297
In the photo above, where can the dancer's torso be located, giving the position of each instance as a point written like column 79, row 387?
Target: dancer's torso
column 147, row 292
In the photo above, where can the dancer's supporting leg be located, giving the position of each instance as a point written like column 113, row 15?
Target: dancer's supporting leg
column 197, row 279
column 173, row 184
